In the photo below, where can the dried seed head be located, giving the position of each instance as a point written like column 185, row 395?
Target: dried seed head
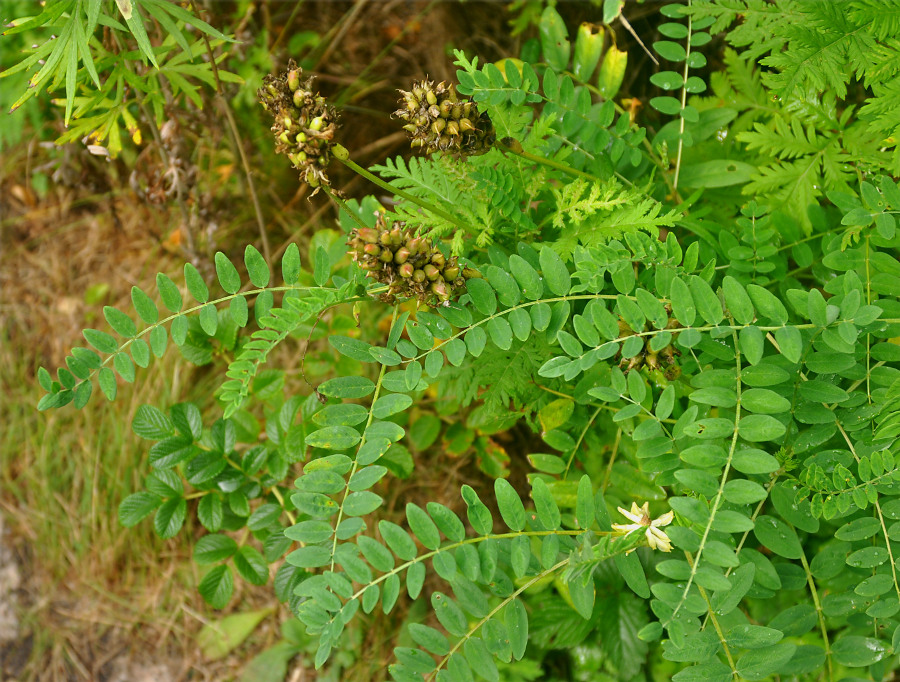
column 410, row 266
column 304, row 123
column 437, row 120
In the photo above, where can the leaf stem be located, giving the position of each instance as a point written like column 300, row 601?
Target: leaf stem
column 421, row 203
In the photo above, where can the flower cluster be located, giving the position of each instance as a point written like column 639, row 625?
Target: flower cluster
column 411, row 266
column 640, row 520
column 305, row 123
column 438, row 120
column 663, row 360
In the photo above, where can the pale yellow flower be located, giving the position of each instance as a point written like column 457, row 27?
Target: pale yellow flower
column 640, row 516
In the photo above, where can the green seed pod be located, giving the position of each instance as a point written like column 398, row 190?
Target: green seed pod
column 406, row 270
column 418, row 276
column 293, row 79
column 368, row 235
column 438, row 126
column 466, row 125
column 287, row 122
column 372, row 250
column 434, row 111
column 418, row 92
column 285, row 138
column 431, row 272
column 451, row 273
column 401, row 256
column 438, row 259
column 470, row 273
column 446, row 108
column 414, row 245
column 298, row 98
column 385, row 238
column 301, row 156
column 588, row 48
column 340, row 152
column 431, row 97
column 317, row 123
column 457, row 112
column 440, row 290
column 311, row 178
column 452, row 128
column 386, row 256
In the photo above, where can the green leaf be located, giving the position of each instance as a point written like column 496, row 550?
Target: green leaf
column 429, row 639
column 211, row 549
column 256, row 267
column 290, row 264
column 767, row 304
column 107, row 380
column 217, row 586
column 144, row 305
column 195, row 284
column 422, row 526
column 483, row 298
column 227, row 273
column 778, row 537
column 322, row 267
column 347, row 387
column 361, row 503
column 682, row 302
column 759, row 664
column 555, row 44
column 760, row 427
column 219, row 638
column 859, row 652
column 120, row 322
column 511, row 508
column 545, row 505
column 169, row 293
column 479, row 515
column 556, row 274
column 584, row 505
column 389, row 405
column 151, row 423
column 737, row 300
column 507, row 289
column 136, row 25
column 527, row 277
column 136, row 507
column 398, row 540
column 169, row 518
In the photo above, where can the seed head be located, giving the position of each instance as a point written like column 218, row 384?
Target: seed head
column 304, row 123
column 437, row 120
column 412, row 267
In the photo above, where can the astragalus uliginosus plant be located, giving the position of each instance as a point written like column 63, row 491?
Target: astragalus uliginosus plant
column 686, row 342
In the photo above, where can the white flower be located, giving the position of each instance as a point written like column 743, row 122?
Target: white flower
column 640, row 516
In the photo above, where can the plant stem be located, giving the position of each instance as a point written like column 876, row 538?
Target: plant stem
column 371, row 177
column 238, row 142
column 547, row 162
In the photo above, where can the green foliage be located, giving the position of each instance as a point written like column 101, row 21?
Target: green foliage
column 104, row 78
column 739, row 374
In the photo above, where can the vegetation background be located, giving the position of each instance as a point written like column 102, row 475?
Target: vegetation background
column 82, row 598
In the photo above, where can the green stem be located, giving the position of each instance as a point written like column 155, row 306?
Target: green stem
column 343, row 204
column 550, row 163
column 371, row 177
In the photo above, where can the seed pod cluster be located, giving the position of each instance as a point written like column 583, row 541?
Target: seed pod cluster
column 411, row 266
column 663, row 360
column 438, row 120
column 305, row 123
